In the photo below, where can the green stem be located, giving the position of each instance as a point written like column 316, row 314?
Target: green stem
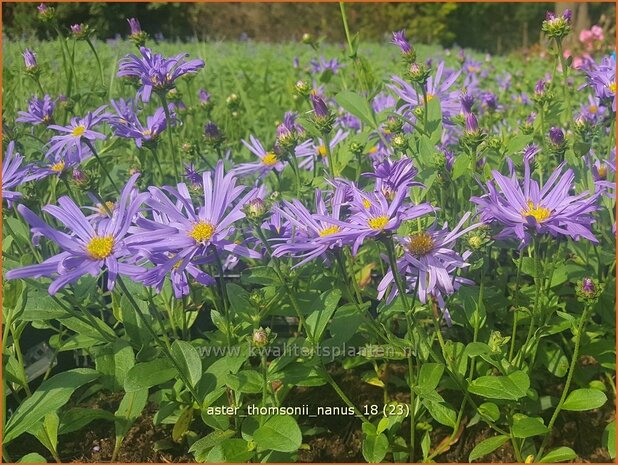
column 96, row 56
column 157, row 340
column 346, row 28
column 567, row 384
column 96, row 155
column 170, row 136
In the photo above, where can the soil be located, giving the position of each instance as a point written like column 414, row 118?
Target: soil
column 338, row 440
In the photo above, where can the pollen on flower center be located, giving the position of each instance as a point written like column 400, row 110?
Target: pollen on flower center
column 202, row 231
column 270, row 159
column 379, row 222
column 100, row 247
column 593, row 109
column 366, row 203
column 322, row 151
column 57, row 167
column 420, row 244
column 430, row 97
column 78, row 131
column 612, row 87
column 107, row 208
column 538, row 212
column 330, row 230
column 602, row 171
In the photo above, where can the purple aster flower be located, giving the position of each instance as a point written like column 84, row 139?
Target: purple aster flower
column 212, row 132
column 525, row 209
column 308, row 151
column 373, row 215
column 58, row 163
column 530, row 152
column 472, row 124
column 319, row 106
column 602, row 79
column 321, row 65
column 467, row 102
column 13, row 174
column 313, row 234
column 156, row 72
column 204, row 97
column 87, row 248
column 29, row 59
column 191, row 233
column 382, row 102
column 430, row 262
column 40, row 111
column 135, row 26
column 74, row 134
column 268, row 161
column 193, row 175
column 390, row 176
column 489, row 101
column 592, row 111
column 128, row 126
column 42, row 8
column 436, row 88
column 556, row 136
column 400, row 40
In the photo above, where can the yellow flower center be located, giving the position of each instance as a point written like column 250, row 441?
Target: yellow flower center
column 430, row 97
column 146, row 132
column 602, row 171
column 593, row 109
column 57, row 167
column 612, row 87
column 373, row 149
column 202, row 231
column 322, row 151
column 379, row 222
column 420, row 244
column 270, row 159
column 100, row 247
column 538, row 212
column 78, row 131
column 107, row 208
column 366, row 203
column 330, row 230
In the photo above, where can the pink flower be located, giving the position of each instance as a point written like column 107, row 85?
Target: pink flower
column 597, row 33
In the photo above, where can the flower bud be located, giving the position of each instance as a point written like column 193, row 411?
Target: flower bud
column 261, row 337
column 45, row 13
column 556, row 136
column 255, row 208
column 588, row 290
column 212, row 134
column 137, row 36
column 302, row 88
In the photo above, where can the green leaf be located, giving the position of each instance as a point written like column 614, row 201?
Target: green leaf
column 375, row 446
column 526, row 427
column 461, row 166
column 49, row 397
column 182, row 424
column 609, row 439
column 147, row 374
column 487, row 447
column 129, row 410
column 553, row 358
column 76, row 418
column 581, row 400
column 441, row 412
column 41, row 306
column 430, row 376
column 280, row 433
column 561, row 454
column 239, row 299
column 517, row 143
column 511, row 387
column 201, row 447
column 490, row 410
column 32, row 458
column 189, row 360
column 246, row 381
column 321, row 311
column 230, row 451
column 357, row 106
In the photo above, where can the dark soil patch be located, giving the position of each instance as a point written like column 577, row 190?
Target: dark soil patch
column 333, row 438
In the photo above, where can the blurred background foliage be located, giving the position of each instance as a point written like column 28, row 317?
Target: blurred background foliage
column 490, row 27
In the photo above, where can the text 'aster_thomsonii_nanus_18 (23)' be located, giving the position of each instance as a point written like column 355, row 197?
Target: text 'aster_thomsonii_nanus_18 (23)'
column 429, row 263
column 88, row 248
column 155, row 72
column 188, row 233
column 525, row 209
column 40, row 111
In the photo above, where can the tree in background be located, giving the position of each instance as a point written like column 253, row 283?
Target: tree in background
column 491, row 27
